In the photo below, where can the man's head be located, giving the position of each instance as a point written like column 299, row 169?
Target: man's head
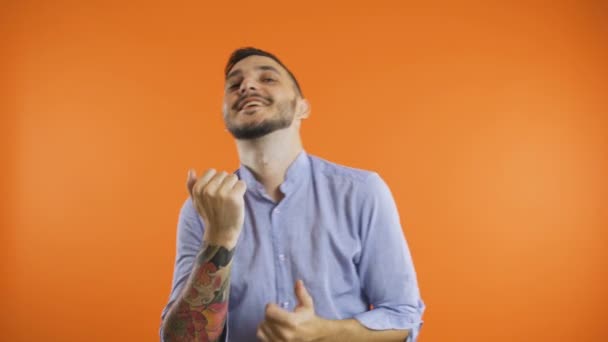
column 260, row 95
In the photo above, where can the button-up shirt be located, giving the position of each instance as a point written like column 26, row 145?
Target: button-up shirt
column 336, row 228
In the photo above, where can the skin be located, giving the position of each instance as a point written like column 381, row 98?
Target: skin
column 199, row 314
column 268, row 156
column 258, row 94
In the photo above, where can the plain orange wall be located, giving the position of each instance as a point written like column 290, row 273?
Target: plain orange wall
column 488, row 120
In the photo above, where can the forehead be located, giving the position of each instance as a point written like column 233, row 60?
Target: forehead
column 254, row 63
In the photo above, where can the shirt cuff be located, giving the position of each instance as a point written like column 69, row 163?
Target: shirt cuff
column 383, row 319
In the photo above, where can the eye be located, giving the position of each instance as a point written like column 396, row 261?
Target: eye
column 234, row 86
column 268, row 80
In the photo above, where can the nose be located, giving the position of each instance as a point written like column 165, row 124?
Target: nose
column 247, row 84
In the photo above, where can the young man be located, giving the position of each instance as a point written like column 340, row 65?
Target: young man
column 290, row 247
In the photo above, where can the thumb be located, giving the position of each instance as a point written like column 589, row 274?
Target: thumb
column 304, row 299
column 191, row 180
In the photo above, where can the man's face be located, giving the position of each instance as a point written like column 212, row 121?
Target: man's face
column 259, row 98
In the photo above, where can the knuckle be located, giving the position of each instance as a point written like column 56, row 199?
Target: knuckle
column 208, row 175
column 291, row 322
column 234, row 197
column 206, row 192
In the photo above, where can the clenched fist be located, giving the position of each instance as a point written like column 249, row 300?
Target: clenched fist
column 219, row 199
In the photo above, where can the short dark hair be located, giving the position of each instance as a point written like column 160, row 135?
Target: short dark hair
column 245, row 52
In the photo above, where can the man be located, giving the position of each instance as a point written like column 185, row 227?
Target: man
column 290, row 247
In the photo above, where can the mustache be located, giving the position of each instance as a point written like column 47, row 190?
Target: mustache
column 239, row 103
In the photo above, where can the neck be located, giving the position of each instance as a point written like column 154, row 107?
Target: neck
column 269, row 157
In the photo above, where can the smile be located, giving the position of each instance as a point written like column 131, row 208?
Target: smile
column 250, row 109
column 252, row 104
column 251, row 101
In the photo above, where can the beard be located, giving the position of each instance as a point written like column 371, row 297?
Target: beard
column 282, row 119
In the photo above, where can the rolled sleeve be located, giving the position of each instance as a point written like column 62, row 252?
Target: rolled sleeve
column 386, row 269
column 384, row 319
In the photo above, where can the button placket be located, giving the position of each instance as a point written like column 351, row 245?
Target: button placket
column 279, row 257
column 283, row 288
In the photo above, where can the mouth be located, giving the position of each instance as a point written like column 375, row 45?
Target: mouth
column 251, row 102
column 250, row 109
column 251, row 105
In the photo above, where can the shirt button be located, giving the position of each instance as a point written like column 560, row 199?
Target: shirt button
column 278, row 211
column 285, row 305
column 282, row 257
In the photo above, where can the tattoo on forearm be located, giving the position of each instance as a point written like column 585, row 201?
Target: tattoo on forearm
column 200, row 313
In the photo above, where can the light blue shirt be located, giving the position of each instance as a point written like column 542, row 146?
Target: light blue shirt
column 337, row 229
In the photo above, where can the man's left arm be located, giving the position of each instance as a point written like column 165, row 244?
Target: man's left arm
column 304, row 325
column 387, row 277
column 385, row 267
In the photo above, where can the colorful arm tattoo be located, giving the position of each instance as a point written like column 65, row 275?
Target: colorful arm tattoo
column 200, row 312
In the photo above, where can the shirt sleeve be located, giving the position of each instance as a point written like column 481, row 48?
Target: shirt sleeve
column 386, row 269
column 189, row 240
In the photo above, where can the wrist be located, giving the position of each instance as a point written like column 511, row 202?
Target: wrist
column 228, row 242
column 328, row 330
column 341, row 330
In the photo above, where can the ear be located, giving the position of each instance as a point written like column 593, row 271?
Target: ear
column 303, row 109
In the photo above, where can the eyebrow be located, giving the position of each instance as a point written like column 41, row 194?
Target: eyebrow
column 261, row 67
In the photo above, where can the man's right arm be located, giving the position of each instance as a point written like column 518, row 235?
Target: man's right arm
column 199, row 313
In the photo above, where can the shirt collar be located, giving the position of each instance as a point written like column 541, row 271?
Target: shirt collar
column 296, row 174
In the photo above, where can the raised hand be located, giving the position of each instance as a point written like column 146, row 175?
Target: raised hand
column 219, row 199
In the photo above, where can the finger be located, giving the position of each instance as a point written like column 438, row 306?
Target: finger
column 304, row 298
column 275, row 331
column 203, row 181
column 191, row 180
column 279, row 316
column 212, row 186
column 240, row 187
column 261, row 334
column 272, row 331
column 228, row 183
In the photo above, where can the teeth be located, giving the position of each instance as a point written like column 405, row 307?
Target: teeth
column 253, row 103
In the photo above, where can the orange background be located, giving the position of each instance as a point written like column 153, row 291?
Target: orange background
column 487, row 120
